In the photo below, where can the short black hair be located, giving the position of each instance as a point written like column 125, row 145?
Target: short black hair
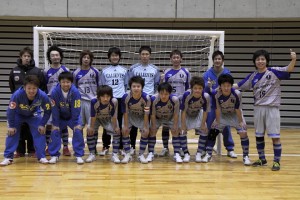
column 145, row 48
column 165, row 86
column 86, row 52
column 32, row 79
column 26, row 50
column 55, row 48
column 225, row 78
column 176, row 52
column 136, row 79
column 197, row 80
column 115, row 50
column 217, row 53
column 103, row 90
column 65, row 75
column 261, row 52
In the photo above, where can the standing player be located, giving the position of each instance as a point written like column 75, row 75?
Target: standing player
column 25, row 106
column 104, row 111
column 228, row 103
column 265, row 82
column 65, row 99
column 179, row 78
column 164, row 111
column 87, row 80
column 116, row 77
column 150, row 74
column 194, row 108
column 55, row 57
column 211, row 85
column 25, row 66
column 136, row 109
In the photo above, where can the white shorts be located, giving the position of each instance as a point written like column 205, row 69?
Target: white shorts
column 267, row 118
column 85, row 111
column 194, row 122
column 136, row 121
column 231, row 120
column 106, row 125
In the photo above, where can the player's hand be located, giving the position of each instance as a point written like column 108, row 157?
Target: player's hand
column 90, row 131
column 42, row 130
column 215, row 125
column 11, row 131
column 209, row 83
column 183, row 132
column 162, row 76
column 293, row 55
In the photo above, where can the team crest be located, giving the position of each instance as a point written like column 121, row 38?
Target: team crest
column 268, row 77
column 17, row 78
column 181, row 75
column 232, row 100
column 12, row 105
column 142, row 105
column 92, row 75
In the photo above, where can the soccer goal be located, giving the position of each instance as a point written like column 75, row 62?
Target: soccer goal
column 196, row 46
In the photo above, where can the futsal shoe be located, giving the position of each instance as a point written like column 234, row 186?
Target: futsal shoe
column 142, row 159
column 164, row 152
column 132, row 151
column 246, row 161
column 276, row 166
column 79, row 161
column 177, row 158
column 91, row 158
column 186, row 158
column 127, row 158
column 104, row 151
column 150, row 157
column 66, row 151
column 231, row 154
column 206, row 158
column 198, row 158
column 259, row 162
column 115, row 158
column 53, row 160
column 6, row 161
column 43, row 161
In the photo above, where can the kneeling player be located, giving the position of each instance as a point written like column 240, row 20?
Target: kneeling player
column 65, row 99
column 164, row 111
column 104, row 111
column 228, row 113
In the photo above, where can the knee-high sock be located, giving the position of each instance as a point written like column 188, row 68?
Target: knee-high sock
column 260, row 146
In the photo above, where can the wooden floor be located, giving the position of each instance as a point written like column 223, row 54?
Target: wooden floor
column 222, row 178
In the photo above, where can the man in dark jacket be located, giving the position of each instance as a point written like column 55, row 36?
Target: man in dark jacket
column 25, row 66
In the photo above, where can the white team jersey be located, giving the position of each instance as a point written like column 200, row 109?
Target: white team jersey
column 150, row 73
column 51, row 76
column 178, row 79
column 87, row 82
column 115, row 77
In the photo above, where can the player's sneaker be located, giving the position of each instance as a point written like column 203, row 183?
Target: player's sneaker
column 66, row 151
column 115, row 158
column 177, row 158
column 91, row 158
column 206, row 158
column 276, row 166
column 132, row 151
column 142, row 159
column 231, row 154
column 43, row 161
column 150, row 157
column 164, row 152
column 53, row 160
column 18, row 155
column 181, row 153
column 122, row 152
column 6, row 161
column 186, row 158
column 246, row 161
column 104, row 151
column 79, row 161
column 259, row 162
column 198, row 157
column 127, row 158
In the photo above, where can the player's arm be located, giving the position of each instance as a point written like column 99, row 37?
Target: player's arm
column 156, row 80
column 292, row 64
column 218, row 112
column 11, row 115
column 92, row 120
column 183, row 108
column 124, row 107
column 153, row 115
column 47, row 112
column 176, row 113
column 114, row 119
column 146, row 115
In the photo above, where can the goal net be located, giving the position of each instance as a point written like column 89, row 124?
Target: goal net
column 196, row 46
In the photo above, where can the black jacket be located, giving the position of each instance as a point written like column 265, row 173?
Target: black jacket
column 18, row 74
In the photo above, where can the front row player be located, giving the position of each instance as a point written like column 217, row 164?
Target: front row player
column 227, row 102
column 25, row 107
column 164, row 112
column 66, row 108
column 104, row 111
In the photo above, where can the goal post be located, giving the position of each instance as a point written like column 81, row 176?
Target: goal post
column 196, row 46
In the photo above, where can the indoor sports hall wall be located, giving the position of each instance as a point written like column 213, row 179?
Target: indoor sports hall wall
column 242, row 38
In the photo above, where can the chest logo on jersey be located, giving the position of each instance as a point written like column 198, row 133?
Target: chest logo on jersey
column 17, row 78
column 181, row 75
column 232, row 100
column 92, row 75
column 268, row 77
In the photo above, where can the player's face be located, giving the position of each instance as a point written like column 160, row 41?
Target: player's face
column 218, row 61
column 26, row 58
column 261, row 62
column 30, row 90
column 55, row 57
column 86, row 61
column 114, row 58
column 105, row 99
column 226, row 89
column 197, row 91
column 65, row 85
column 164, row 95
column 145, row 56
column 136, row 88
column 176, row 60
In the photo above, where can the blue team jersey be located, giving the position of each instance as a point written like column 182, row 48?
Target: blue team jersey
column 66, row 108
column 117, row 78
column 211, row 74
column 227, row 104
column 150, row 73
column 164, row 111
column 133, row 106
column 266, row 85
column 51, row 76
column 19, row 106
column 192, row 105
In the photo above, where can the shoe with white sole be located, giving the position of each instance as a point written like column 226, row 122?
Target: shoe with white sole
column 246, row 161
column 127, row 158
column 6, row 161
column 142, row 159
column 186, row 158
column 206, row 158
column 115, row 158
column 79, row 161
column 164, row 152
column 132, row 151
column 150, row 157
column 43, row 161
column 104, row 151
column 53, row 160
column 198, row 158
column 177, row 158
column 231, row 154
column 91, row 158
